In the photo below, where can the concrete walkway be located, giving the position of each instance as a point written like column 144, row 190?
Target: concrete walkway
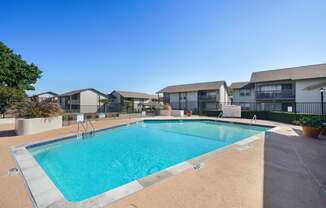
column 283, row 169
column 294, row 171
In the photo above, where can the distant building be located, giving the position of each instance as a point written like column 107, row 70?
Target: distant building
column 294, row 89
column 127, row 101
column 197, row 97
column 82, row 101
column 49, row 96
column 243, row 94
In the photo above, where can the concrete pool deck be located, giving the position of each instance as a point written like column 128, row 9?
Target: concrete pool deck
column 282, row 170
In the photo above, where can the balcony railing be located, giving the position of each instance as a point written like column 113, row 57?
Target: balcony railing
column 275, row 94
column 207, row 98
column 74, row 102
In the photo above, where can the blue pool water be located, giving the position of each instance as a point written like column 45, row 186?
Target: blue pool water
column 82, row 168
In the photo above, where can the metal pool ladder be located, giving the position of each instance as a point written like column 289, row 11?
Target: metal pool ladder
column 86, row 125
column 254, row 118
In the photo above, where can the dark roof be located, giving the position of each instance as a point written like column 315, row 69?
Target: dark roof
column 47, row 92
column 294, row 73
column 128, row 94
column 193, row 87
column 82, row 90
column 238, row 85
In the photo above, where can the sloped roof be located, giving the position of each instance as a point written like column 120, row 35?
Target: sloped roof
column 128, row 94
column 238, row 85
column 47, row 92
column 193, row 87
column 82, row 90
column 294, row 73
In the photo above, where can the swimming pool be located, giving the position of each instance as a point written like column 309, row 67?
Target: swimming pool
column 83, row 168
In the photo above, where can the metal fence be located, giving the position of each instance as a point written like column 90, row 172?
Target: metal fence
column 293, row 107
column 101, row 109
column 202, row 107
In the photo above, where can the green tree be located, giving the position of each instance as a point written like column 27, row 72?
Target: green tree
column 16, row 76
column 106, row 102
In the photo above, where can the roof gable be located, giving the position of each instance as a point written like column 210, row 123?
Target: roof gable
column 238, row 85
column 82, row 90
column 193, row 87
column 295, row 73
column 48, row 92
column 140, row 95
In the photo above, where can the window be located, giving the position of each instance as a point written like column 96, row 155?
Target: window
column 270, row 88
column 245, row 92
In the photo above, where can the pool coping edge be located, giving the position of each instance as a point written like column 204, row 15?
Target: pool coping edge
column 46, row 194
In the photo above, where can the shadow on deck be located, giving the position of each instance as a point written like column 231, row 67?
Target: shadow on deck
column 294, row 171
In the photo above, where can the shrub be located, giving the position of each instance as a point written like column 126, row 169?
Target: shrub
column 284, row 117
column 310, row 121
column 35, row 109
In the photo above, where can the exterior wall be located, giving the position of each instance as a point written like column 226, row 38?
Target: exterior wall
column 223, row 95
column 89, row 101
column 210, row 106
column 37, row 125
column 309, row 96
column 45, row 96
column 117, row 98
column 174, row 101
column 115, row 105
column 239, row 99
column 278, row 93
column 192, row 101
column 7, row 120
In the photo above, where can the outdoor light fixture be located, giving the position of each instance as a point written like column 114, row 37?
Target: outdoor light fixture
column 322, row 100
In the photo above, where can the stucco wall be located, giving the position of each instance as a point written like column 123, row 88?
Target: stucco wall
column 7, row 120
column 37, row 125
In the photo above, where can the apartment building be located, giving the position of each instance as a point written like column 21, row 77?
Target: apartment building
column 294, row 89
column 126, row 101
column 49, row 96
column 82, row 101
column 197, row 97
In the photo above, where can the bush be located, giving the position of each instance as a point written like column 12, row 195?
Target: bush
column 35, row 109
column 284, row 117
column 309, row 121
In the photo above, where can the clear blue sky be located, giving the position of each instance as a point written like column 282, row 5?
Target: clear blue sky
column 145, row 45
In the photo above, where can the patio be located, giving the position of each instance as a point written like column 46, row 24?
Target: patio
column 283, row 169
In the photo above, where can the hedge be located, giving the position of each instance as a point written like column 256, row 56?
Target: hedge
column 284, row 117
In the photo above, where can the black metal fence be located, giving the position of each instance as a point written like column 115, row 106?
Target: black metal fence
column 203, row 107
column 291, row 107
column 101, row 108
